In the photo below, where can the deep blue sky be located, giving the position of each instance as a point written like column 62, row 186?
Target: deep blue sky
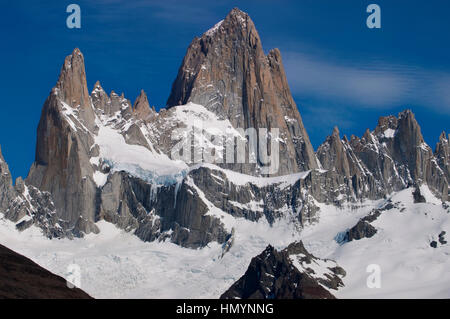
column 340, row 72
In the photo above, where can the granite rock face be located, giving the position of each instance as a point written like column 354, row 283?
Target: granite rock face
column 287, row 274
column 142, row 108
column 6, row 188
column 63, row 147
column 362, row 229
column 442, row 154
column 392, row 157
column 227, row 71
column 26, row 205
column 158, row 213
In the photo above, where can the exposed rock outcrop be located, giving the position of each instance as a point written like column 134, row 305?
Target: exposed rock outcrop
column 418, row 197
column 287, row 274
column 442, row 240
column 361, row 230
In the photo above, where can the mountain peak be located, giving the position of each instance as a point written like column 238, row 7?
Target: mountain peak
column 141, row 106
column 237, row 24
column 345, row 138
column 336, row 131
column 77, row 52
column 406, row 114
column 227, row 71
column 367, row 134
column 71, row 85
column 98, row 86
column 236, row 12
column 238, row 15
column 98, row 90
column 408, row 129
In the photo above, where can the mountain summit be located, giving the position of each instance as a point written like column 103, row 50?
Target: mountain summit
column 226, row 71
column 72, row 84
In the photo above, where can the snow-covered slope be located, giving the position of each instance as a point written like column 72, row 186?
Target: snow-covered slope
column 410, row 267
column 115, row 263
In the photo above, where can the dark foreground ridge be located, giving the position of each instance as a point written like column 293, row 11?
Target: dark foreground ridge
column 21, row 278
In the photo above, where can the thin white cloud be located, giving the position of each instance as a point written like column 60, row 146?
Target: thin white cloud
column 367, row 86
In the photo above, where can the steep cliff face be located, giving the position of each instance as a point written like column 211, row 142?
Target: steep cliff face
column 63, row 147
column 227, row 71
column 442, row 154
column 333, row 156
column 6, row 187
column 26, row 205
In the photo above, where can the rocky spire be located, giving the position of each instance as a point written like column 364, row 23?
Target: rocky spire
column 4, row 169
column 6, row 188
column 332, row 154
column 64, row 145
column 72, row 85
column 400, row 153
column 1, row 155
column 336, row 132
column 100, row 99
column 442, row 153
column 227, row 71
column 141, row 107
column 98, row 89
column 234, row 37
column 409, row 146
column 71, row 88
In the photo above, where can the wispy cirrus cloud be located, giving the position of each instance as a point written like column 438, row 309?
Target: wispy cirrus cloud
column 371, row 85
